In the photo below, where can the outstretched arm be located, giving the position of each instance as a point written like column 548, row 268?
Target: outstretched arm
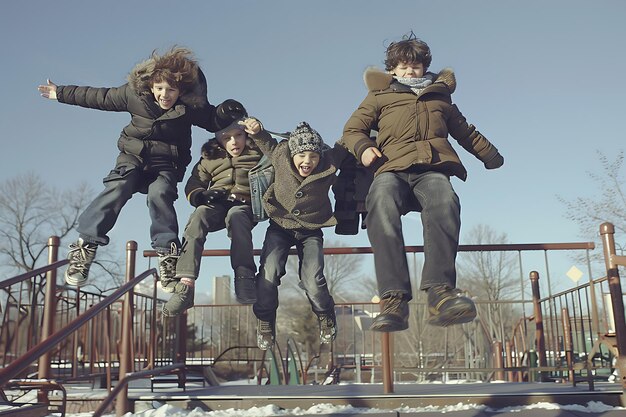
column 49, row 90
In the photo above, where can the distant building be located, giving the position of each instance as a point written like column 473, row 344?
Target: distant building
column 221, row 290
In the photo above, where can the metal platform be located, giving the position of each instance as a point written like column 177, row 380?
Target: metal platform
column 492, row 395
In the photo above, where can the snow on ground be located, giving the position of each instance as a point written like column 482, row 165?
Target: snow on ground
column 167, row 410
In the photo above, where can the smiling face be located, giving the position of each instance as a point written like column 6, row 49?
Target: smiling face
column 233, row 140
column 306, row 162
column 409, row 70
column 164, row 94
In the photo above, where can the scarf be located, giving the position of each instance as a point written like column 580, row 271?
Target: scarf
column 416, row 84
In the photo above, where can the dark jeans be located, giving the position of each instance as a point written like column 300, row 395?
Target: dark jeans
column 237, row 219
column 309, row 246
column 394, row 194
column 119, row 186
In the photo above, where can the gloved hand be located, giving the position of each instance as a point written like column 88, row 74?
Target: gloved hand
column 496, row 162
column 229, row 111
column 209, row 196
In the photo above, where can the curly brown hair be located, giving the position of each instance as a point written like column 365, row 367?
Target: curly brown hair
column 177, row 67
column 409, row 50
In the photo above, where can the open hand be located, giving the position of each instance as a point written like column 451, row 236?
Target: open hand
column 49, row 90
column 252, row 125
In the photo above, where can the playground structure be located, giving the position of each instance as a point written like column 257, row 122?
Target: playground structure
column 53, row 335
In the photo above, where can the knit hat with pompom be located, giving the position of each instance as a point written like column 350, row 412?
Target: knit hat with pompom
column 305, row 138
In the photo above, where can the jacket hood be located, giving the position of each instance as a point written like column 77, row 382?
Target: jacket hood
column 212, row 149
column 376, row 79
column 139, row 81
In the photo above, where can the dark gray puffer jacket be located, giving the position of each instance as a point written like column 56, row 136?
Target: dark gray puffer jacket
column 153, row 134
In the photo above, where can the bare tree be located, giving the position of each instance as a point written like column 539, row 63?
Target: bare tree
column 490, row 276
column 608, row 205
column 30, row 212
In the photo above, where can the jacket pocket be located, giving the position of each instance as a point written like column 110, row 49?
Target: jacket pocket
column 120, row 172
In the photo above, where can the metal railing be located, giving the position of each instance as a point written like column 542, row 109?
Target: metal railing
column 571, row 331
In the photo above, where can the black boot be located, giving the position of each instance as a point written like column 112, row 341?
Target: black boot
column 447, row 307
column 245, row 286
column 394, row 316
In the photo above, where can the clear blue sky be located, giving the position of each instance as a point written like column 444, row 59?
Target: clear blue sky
column 540, row 79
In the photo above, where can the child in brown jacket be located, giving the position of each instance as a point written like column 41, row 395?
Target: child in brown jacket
column 298, row 206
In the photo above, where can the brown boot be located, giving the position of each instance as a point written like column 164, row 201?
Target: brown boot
column 394, row 316
column 447, row 307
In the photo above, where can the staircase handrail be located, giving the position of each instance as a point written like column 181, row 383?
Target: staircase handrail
column 43, row 347
column 28, row 275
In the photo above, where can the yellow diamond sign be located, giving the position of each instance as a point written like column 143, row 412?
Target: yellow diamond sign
column 574, row 274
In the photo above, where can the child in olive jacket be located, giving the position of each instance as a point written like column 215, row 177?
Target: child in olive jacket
column 220, row 190
column 165, row 95
column 298, row 206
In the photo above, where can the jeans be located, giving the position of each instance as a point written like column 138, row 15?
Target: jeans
column 119, row 186
column 237, row 219
column 394, row 194
column 309, row 246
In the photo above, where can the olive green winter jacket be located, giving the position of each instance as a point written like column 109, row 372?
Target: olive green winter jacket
column 218, row 170
column 413, row 128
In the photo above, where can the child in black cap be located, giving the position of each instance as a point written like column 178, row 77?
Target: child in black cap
column 219, row 188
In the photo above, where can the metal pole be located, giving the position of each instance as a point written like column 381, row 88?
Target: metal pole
column 497, row 360
column 611, row 260
column 122, row 405
column 508, row 349
column 539, row 332
column 49, row 308
column 568, row 345
column 387, row 362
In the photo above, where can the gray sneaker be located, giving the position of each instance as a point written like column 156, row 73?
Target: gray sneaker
column 328, row 327
column 81, row 256
column 181, row 300
column 265, row 334
column 167, row 268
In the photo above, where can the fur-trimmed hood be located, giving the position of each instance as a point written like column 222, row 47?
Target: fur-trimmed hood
column 139, row 81
column 376, row 79
column 212, row 149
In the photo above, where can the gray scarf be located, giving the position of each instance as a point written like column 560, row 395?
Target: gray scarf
column 416, row 84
